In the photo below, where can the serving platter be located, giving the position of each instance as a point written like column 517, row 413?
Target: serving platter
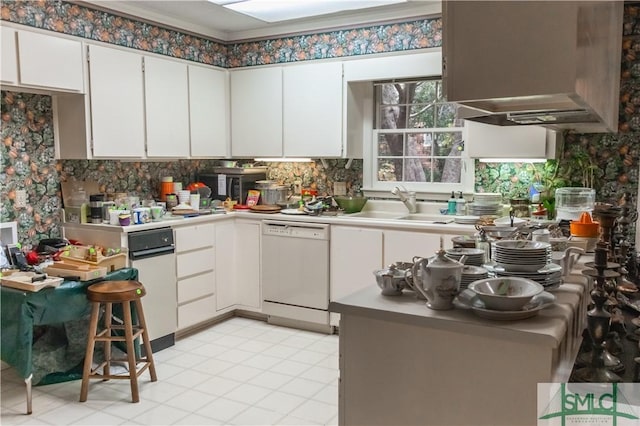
column 469, row 299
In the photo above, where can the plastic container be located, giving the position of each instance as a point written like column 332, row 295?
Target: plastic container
column 451, row 204
column 461, row 208
column 572, row 202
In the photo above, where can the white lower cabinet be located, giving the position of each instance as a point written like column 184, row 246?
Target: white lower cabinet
column 357, row 252
column 226, row 265
column 402, row 246
column 247, row 264
column 195, row 268
column 354, row 254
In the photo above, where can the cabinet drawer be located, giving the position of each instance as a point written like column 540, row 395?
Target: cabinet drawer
column 194, row 237
column 196, row 287
column 196, row 312
column 195, row 262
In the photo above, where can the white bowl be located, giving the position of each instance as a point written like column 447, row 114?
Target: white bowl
column 506, row 293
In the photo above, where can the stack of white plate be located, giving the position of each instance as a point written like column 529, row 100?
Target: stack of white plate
column 471, row 274
column 475, row 256
column 478, row 210
column 486, row 203
column 521, row 255
column 549, row 277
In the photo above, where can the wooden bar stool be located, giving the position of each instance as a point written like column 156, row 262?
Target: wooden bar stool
column 108, row 293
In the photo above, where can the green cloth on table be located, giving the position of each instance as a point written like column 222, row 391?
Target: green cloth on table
column 64, row 309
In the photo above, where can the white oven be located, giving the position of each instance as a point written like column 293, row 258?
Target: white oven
column 295, row 274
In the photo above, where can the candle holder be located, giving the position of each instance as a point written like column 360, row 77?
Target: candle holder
column 599, row 324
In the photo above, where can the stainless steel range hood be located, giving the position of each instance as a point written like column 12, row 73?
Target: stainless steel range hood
column 549, row 63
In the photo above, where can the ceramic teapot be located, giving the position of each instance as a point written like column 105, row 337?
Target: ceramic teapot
column 437, row 279
column 391, row 280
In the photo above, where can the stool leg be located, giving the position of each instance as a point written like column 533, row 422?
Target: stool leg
column 108, row 310
column 145, row 340
column 131, row 355
column 88, row 357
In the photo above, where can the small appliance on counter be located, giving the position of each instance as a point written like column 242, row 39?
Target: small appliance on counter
column 232, row 182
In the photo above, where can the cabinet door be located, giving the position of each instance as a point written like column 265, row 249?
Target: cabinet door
column 117, row 103
column 355, row 253
column 166, row 91
column 226, row 265
column 312, row 114
column 404, row 245
column 209, row 112
column 487, row 141
column 256, row 112
column 247, row 253
column 51, row 62
column 9, row 66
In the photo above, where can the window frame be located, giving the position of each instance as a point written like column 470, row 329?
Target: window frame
column 424, row 190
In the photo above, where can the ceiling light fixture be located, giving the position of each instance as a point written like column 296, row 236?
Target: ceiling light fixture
column 283, row 10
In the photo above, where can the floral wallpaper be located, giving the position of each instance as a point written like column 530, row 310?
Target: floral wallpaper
column 90, row 23
column 27, row 134
column 417, row 34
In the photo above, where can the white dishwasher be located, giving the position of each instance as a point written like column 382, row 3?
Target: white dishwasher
column 295, row 274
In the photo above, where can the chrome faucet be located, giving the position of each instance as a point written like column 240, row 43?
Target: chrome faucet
column 407, row 197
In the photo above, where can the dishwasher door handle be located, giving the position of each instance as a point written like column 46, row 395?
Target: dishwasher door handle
column 158, row 251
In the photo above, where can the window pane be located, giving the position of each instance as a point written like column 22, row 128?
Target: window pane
column 447, row 144
column 387, row 169
column 422, row 115
column 417, row 170
column 392, row 117
column 426, row 92
column 446, row 115
column 390, row 144
column 389, row 95
column 418, row 144
column 447, row 170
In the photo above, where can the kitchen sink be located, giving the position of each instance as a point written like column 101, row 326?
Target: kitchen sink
column 425, row 217
column 375, row 215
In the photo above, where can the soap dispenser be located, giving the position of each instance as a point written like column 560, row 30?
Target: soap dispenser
column 451, row 205
column 460, row 205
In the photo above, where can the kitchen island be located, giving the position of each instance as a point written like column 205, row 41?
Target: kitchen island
column 402, row 363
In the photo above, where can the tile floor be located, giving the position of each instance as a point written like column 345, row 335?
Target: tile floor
column 238, row 372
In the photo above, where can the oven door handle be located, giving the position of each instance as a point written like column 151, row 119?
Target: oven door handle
column 159, row 251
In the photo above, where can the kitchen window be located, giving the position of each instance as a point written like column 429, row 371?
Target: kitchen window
column 417, row 140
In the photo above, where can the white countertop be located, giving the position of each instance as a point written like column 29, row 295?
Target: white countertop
column 548, row 328
column 342, row 219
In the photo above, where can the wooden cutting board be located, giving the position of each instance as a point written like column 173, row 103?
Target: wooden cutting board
column 266, row 208
column 22, row 281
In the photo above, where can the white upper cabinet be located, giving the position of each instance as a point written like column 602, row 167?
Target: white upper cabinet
column 166, row 93
column 41, row 62
column 117, row 103
column 256, row 112
column 209, row 112
column 50, row 62
column 9, row 66
column 312, row 102
column 396, row 66
column 508, row 142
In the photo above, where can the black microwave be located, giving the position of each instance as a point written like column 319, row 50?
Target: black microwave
column 232, row 182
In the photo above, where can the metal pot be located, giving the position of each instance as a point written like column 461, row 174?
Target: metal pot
column 272, row 193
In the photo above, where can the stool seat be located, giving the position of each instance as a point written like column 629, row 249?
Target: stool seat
column 123, row 293
column 115, row 291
